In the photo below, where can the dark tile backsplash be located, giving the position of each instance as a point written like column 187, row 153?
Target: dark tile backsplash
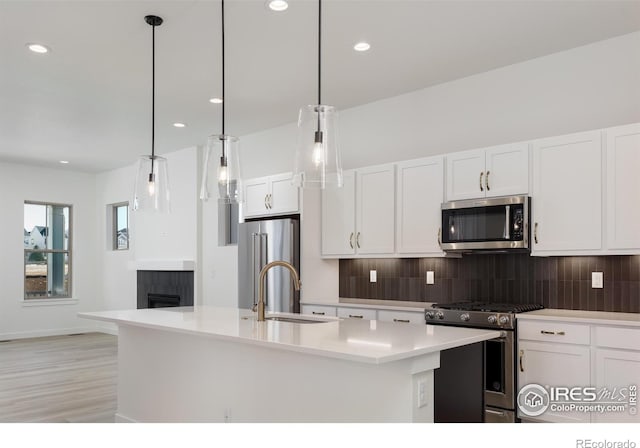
column 555, row 282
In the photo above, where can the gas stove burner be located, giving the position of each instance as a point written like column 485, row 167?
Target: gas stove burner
column 488, row 307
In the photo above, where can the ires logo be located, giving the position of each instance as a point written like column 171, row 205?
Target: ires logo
column 534, row 399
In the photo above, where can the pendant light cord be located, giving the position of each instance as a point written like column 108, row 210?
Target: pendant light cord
column 224, row 99
column 319, row 50
column 153, row 96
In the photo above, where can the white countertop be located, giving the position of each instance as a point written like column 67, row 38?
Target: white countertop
column 589, row 317
column 350, row 339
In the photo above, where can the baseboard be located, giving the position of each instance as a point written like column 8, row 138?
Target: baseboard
column 55, row 332
column 119, row 418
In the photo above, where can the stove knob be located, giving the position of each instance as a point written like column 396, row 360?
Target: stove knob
column 504, row 320
column 465, row 317
column 430, row 314
column 492, row 319
column 440, row 315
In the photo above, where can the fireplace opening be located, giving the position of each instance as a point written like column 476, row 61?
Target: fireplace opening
column 161, row 289
column 162, row 300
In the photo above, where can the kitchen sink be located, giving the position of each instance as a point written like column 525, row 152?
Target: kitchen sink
column 295, row 320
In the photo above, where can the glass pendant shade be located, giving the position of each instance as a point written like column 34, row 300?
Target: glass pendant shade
column 222, row 168
column 318, row 163
column 152, row 185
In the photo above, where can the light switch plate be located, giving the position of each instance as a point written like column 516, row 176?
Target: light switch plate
column 373, row 276
column 597, row 280
column 430, row 278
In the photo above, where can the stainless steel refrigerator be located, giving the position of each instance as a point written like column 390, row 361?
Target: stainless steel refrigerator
column 259, row 243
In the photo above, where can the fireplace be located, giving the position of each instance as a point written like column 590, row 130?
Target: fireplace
column 161, row 289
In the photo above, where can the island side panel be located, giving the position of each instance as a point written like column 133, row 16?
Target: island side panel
column 173, row 377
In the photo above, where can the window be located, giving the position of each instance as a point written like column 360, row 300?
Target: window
column 47, row 250
column 120, row 226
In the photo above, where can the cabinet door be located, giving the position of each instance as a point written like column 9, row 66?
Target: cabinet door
column 375, row 210
column 318, row 310
column 623, row 187
column 338, row 218
column 465, row 175
column 615, row 370
column 255, row 197
column 284, row 195
column 554, row 365
column 402, row 317
column 357, row 313
column 567, row 194
column 419, row 197
column 507, row 170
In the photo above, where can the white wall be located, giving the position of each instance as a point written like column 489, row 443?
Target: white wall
column 152, row 237
column 584, row 88
column 19, row 183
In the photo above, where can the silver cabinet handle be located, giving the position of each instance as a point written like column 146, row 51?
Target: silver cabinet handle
column 535, row 233
column 520, row 361
column 270, row 196
column 358, row 240
column 481, row 176
column 486, row 181
column 355, row 316
column 351, row 240
column 559, row 333
column 317, row 313
column 491, row 411
column 440, row 237
column 404, row 321
column 265, row 201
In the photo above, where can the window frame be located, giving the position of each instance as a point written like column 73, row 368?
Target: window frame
column 114, row 225
column 68, row 251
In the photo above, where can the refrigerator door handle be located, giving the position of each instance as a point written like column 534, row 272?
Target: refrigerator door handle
column 253, row 268
column 263, row 262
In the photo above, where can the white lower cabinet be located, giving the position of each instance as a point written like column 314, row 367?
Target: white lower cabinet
column 318, row 310
column 617, row 368
column 405, row 317
column 357, row 313
column 554, row 364
column 604, row 357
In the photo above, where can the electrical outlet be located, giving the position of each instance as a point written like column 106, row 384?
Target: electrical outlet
column 373, row 276
column 597, row 280
column 430, row 278
column 422, row 385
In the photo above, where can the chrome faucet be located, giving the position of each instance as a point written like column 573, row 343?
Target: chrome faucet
column 263, row 275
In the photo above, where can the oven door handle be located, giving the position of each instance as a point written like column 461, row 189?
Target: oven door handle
column 521, row 357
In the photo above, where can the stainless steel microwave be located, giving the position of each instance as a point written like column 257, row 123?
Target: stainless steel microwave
column 495, row 224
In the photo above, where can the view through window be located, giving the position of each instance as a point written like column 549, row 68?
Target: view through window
column 121, row 226
column 47, row 250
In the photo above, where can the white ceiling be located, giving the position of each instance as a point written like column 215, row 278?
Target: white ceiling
column 88, row 100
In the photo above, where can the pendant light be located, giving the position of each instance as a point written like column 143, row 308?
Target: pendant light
column 228, row 175
column 152, row 179
column 318, row 163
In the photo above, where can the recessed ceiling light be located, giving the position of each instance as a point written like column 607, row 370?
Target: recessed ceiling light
column 179, row 125
column 278, row 5
column 216, row 100
column 38, row 48
column 64, row 162
column 361, row 46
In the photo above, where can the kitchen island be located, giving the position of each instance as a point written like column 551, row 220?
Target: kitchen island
column 208, row 364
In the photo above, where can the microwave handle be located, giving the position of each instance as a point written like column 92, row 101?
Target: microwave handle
column 507, row 223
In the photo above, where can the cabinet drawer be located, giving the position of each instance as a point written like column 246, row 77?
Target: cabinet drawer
column 357, row 313
column 406, row 317
column 618, row 337
column 318, row 310
column 548, row 331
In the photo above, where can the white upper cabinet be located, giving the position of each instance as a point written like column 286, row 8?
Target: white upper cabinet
column 567, row 194
column 489, row 172
column 419, row 195
column 375, row 210
column 271, row 195
column 623, row 188
column 359, row 218
column 338, row 218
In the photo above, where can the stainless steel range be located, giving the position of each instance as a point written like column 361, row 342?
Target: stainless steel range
column 499, row 353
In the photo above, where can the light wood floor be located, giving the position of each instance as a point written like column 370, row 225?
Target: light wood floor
column 59, row 379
